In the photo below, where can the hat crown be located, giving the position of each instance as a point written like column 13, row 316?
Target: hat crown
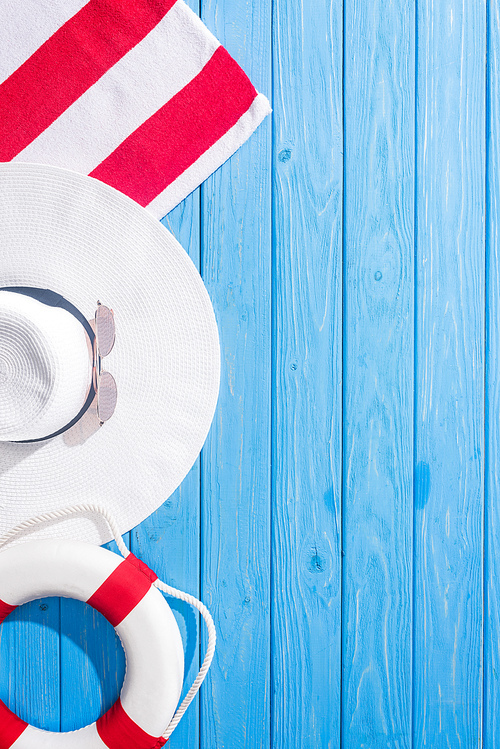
column 45, row 367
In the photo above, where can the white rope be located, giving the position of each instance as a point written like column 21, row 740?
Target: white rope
column 58, row 515
column 208, row 655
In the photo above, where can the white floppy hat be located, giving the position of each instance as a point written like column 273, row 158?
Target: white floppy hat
column 68, row 241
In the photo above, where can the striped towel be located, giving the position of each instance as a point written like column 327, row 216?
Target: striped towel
column 137, row 93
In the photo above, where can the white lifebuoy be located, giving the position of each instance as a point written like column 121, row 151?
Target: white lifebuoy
column 122, row 590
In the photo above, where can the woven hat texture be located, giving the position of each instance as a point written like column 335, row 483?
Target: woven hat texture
column 80, row 238
column 45, row 367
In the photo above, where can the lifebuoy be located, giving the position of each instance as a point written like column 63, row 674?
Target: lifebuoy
column 122, row 590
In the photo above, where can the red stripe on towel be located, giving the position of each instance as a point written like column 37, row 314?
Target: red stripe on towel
column 155, row 154
column 69, row 63
column 122, row 590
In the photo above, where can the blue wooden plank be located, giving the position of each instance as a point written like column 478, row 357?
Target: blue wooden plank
column 307, row 379
column 449, row 410
column 378, row 373
column 491, row 723
column 169, row 541
column 92, row 662
column 236, row 267
column 29, row 663
column 92, row 665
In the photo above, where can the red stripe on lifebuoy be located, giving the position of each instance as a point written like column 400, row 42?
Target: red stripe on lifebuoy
column 11, row 727
column 5, row 610
column 117, row 730
column 122, row 590
column 142, row 567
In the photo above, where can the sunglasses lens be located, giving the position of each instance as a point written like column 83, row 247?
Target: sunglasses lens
column 106, row 396
column 104, row 329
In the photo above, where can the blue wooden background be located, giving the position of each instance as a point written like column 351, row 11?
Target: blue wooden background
column 343, row 523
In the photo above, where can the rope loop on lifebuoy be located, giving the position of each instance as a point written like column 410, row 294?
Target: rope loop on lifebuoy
column 128, row 594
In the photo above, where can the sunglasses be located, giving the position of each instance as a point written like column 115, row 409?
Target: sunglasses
column 104, row 382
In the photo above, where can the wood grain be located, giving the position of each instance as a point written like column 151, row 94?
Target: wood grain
column 29, row 663
column 235, row 537
column 344, row 250
column 449, row 416
column 92, row 665
column 491, row 709
column 307, row 367
column 169, row 541
column 378, row 373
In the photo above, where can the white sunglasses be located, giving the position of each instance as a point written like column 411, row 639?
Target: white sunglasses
column 103, row 381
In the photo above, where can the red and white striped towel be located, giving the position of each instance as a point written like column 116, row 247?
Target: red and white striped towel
column 137, row 93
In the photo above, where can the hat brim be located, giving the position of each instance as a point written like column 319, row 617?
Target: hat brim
column 84, row 240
